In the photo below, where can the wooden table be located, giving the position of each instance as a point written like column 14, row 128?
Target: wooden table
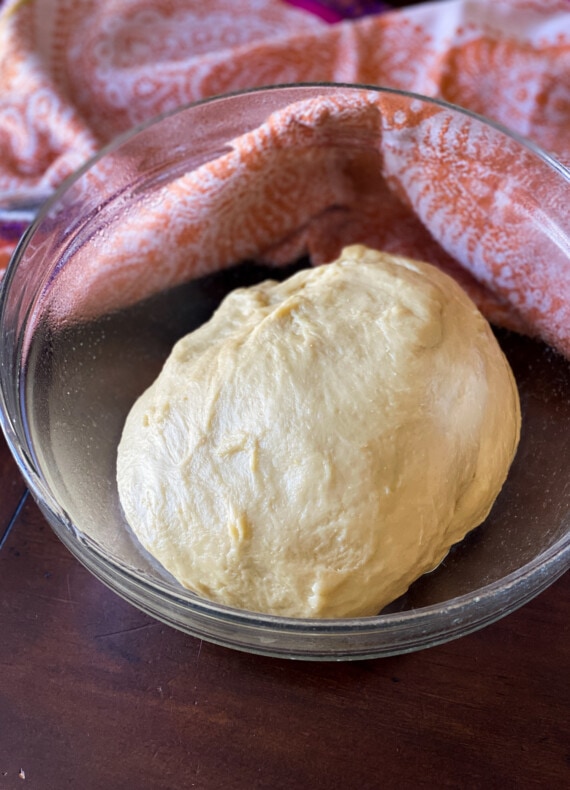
column 95, row 694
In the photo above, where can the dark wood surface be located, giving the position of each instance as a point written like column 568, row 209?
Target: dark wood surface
column 12, row 488
column 94, row 694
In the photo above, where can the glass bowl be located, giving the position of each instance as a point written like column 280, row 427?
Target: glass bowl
column 86, row 323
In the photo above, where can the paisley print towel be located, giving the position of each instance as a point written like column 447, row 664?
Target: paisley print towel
column 76, row 73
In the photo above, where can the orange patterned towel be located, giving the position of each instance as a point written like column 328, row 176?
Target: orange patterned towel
column 74, row 74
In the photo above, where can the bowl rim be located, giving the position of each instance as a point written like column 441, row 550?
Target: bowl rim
column 539, row 572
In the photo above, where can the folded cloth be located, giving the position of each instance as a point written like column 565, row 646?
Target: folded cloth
column 339, row 168
column 75, row 75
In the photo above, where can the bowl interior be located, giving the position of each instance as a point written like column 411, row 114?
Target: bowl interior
column 82, row 379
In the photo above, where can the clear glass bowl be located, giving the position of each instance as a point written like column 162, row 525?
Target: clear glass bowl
column 69, row 374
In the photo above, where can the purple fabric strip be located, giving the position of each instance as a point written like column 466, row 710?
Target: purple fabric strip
column 11, row 231
column 336, row 10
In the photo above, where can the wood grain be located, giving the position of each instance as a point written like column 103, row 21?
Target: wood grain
column 12, row 488
column 94, row 694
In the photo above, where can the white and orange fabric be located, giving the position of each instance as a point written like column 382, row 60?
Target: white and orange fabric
column 76, row 73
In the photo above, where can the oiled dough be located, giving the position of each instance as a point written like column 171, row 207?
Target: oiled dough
column 320, row 443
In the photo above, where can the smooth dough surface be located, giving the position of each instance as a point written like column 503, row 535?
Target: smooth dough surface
column 322, row 442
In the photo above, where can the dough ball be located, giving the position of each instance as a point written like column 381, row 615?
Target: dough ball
column 322, row 442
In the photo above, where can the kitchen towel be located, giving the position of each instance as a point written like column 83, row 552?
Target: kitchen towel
column 76, row 73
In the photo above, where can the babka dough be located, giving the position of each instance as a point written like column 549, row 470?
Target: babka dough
column 322, row 442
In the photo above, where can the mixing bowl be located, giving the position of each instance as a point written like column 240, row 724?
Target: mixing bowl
column 140, row 246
